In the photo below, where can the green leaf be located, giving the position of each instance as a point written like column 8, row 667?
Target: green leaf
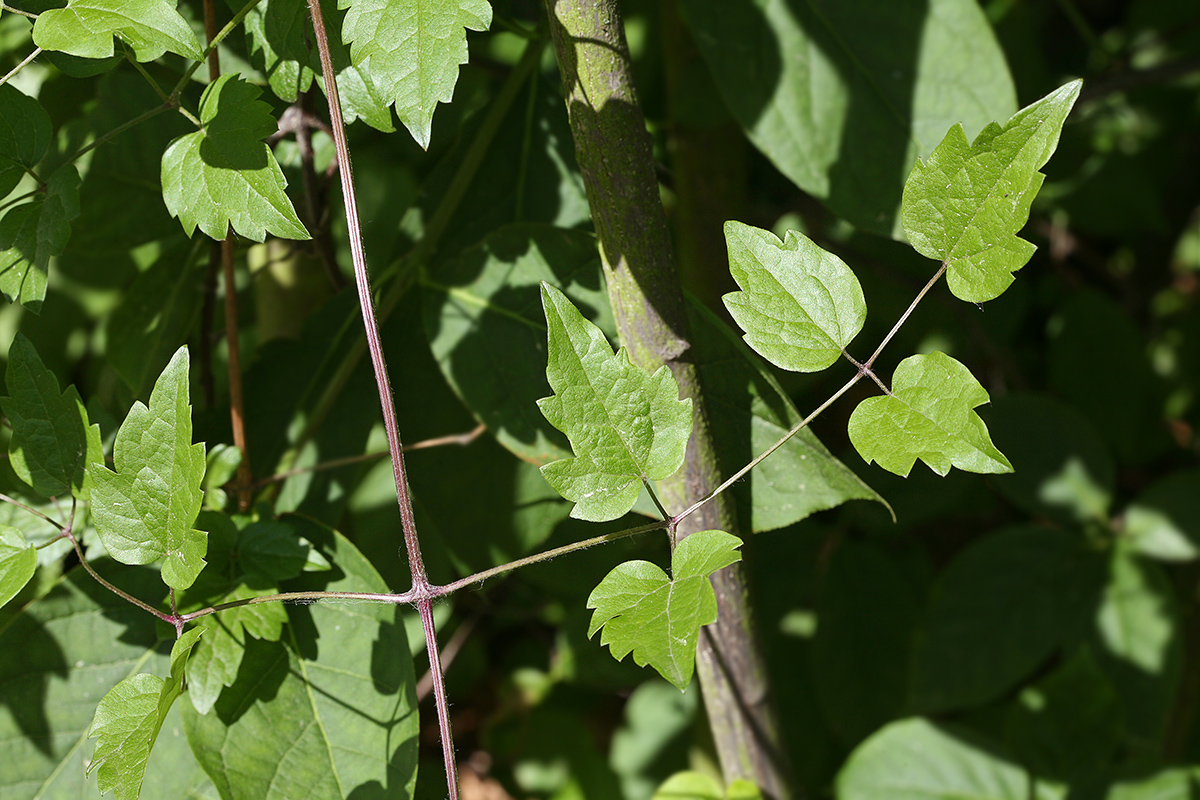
column 690, row 786
column 18, row 562
column 24, row 136
column 1163, row 522
column 279, row 40
column 86, row 28
column 145, row 509
column 1138, row 643
column 156, row 314
column 412, row 50
column 1067, row 726
column 965, row 204
column 917, row 760
column 625, row 426
column 1061, row 467
column 128, row 720
column 658, row 618
column 843, row 95
column 486, row 328
column 226, row 175
column 51, row 437
column 800, row 478
column 800, row 305
column 33, row 233
column 58, row 658
column 1170, row 784
column 998, row 612
column 868, row 610
column 214, row 665
column 928, row 416
column 335, row 701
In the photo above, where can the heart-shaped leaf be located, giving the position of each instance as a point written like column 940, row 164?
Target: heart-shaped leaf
column 800, row 305
column 928, row 416
column 658, row 618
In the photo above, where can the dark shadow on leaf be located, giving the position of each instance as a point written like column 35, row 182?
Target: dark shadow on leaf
column 262, row 671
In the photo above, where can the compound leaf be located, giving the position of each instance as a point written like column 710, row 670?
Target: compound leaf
column 18, row 561
column 799, row 304
column 412, row 50
column 625, row 427
column 965, row 204
column 128, row 720
column 145, row 509
column 33, row 233
column 225, row 174
column 86, row 28
column 659, row 618
column 928, row 416
column 51, row 440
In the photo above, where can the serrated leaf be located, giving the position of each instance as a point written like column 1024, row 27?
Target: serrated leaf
column 335, row 701
column 145, row 509
column 928, row 416
column 658, row 618
column 800, row 305
column 128, row 720
column 279, row 40
column 86, row 28
column 33, row 233
column 965, row 204
column 412, row 50
column 214, row 664
column 225, row 175
column 18, row 562
column 625, row 427
column 843, row 95
column 51, row 440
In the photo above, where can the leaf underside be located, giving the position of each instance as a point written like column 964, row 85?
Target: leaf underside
column 85, row 28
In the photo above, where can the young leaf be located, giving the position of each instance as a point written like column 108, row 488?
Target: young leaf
column 625, row 426
column 145, row 509
column 33, row 233
column 86, row 28
column 218, row 656
column 965, row 204
column 659, row 618
column 51, row 440
column 412, row 50
column 128, row 720
column 799, row 304
column 928, row 416
column 18, row 561
column 226, row 175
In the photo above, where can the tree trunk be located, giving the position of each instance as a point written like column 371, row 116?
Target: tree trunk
column 615, row 157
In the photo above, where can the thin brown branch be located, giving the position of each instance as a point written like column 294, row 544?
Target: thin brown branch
column 462, row 439
column 237, row 413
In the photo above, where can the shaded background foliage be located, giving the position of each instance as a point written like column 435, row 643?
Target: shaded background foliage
column 1036, row 626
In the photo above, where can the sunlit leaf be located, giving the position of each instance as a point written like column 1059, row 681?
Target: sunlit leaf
column 214, row 664
column 145, row 509
column 929, row 415
column 128, row 720
column 625, row 426
column 917, row 760
column 965, row 204
column 18, row 561
column 412, row 50
column 225, row 175
column 86, row 28
column 800, row 305
column 658, row 618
